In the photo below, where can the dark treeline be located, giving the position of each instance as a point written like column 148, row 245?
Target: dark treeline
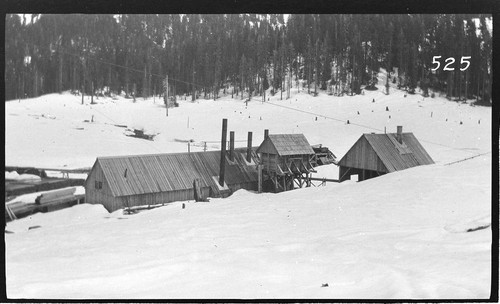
column 244, row 54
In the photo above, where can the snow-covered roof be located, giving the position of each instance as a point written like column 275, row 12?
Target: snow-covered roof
column 286, row 144
column 154, row 173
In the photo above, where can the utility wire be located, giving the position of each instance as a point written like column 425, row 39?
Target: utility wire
column 353, row 123
column 465, row 159
column 321, row 115
column 129, row 68
column 254, row 98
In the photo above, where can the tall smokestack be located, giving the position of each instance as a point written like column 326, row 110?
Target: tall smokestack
column 223, row 152
column 399, row 135
column 266, row 133
column 249, row 147
column 231, row 145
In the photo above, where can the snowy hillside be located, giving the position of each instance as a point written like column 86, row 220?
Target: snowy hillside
column 419, row 233
column 60, row 137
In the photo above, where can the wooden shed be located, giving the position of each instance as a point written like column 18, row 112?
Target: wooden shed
column 127, row 181
column 377, row 154
column 286, row 158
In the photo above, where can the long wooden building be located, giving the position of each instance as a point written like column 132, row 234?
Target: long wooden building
column 127, row 181
column 377, row 154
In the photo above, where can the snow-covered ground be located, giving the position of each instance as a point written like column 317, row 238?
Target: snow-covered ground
column 402, row 235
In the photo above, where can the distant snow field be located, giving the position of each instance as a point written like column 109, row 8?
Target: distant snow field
column 421, row 233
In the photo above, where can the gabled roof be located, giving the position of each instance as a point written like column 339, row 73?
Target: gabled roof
column 173, row 171
column 392, row 154
column 286, row 144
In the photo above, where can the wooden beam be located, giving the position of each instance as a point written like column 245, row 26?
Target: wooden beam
column 222, row 163
column 324, row 179
column 348, row 169
column 259, row 179
column 297, row 183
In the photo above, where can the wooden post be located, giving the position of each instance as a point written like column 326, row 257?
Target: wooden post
column 259, row 174
column 231, row 145
column 189, row 147
column 275, row 179
column 83, row 93
column 268, row 161
column 197, row 191
column 223, row 152
column 249, row 147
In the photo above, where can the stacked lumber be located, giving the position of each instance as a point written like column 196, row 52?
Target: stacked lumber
column 46, row 200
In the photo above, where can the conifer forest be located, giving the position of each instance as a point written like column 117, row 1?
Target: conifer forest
column 243, row 55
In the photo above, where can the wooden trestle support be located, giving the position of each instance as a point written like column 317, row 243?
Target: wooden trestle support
column 295, row 174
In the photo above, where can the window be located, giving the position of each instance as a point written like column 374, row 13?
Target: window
column 98, row 185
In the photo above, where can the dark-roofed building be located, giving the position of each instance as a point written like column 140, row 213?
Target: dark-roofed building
column 127, row 181
column 377, row 154
column 285, row 157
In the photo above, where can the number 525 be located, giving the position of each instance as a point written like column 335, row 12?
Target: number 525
column 449, row 61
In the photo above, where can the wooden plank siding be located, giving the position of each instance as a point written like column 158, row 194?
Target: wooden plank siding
column 362, row 156
column 267, row 147
column 269, row 161
column 382, row 153
column 156, row 198
column 163, row 178
column 93, row 195
column 282, row 150
column 396, row 156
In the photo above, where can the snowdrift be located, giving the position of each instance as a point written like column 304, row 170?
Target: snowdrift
column 422, row 233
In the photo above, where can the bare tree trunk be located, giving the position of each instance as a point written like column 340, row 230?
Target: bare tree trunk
column 109, row 81
column 466, row 84
column 73, row 86
column 193, row 98
column 134, row 91
column 35, row 83
column 127, row 78
column 144, row 84
column 309, row 75
column 92, row 93
column 60, row 80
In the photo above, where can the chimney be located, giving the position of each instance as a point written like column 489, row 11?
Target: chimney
column 249, row 147
column 223, row 152
column 231, row 145
column 266, row 133
column 399, row 136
